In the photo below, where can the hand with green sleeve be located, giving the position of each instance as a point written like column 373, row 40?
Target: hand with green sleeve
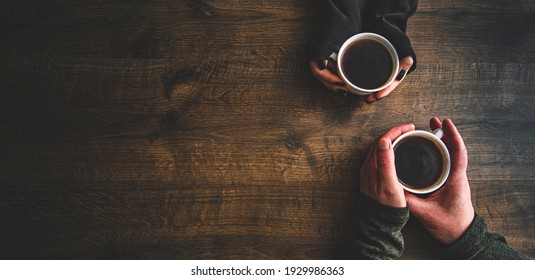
column 381, row 205
column 448, row 214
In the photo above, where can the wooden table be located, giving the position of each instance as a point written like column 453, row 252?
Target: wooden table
column 195, row 130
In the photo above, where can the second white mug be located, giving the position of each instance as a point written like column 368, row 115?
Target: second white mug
column 372, row 61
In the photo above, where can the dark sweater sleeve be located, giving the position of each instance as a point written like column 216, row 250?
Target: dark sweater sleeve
column 377, row 230
column 335, row 22
column 389, row 18
column 477, row 243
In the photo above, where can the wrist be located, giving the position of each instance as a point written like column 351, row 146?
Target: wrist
column 457, row 230
column 470, row 243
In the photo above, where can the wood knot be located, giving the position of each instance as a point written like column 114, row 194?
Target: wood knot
column 201, row 8
column 292, row 141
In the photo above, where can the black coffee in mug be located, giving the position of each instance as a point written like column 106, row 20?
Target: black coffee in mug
column 367, row 64
column 419, row 162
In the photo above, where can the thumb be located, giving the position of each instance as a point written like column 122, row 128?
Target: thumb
column 386, row 168
column 417, row 206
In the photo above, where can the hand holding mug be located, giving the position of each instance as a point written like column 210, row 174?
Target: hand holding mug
column 404, row 65
column 378, row 174
column 326, row 77
column 366, row 64
column 448, row 212
column 422, row 161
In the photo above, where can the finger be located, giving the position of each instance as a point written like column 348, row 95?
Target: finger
column 385, row 159
column 417, row 206
column 435, row 123
column 402, row 74
column 335, row 87
column 328, row 79
column 386, row 170
column 382, row 93
column 318, row 64
column 385, row 92
column 395, row 132
column 322, row 63
column 371, row 98
column 387, row 181
column 367, row 173
column 455, row 144
column 404, row 65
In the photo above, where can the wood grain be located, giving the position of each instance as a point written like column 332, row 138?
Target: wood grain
column 194, row 129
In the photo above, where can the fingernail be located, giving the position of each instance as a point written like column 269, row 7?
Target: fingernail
column 401, row 74
column 321, row 64
column 373, row 100
column 383, row 144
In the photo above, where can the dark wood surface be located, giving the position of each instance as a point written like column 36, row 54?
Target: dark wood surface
column 195, row 130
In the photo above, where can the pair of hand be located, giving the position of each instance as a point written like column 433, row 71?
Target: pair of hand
column 447, row 213
column 334, row 83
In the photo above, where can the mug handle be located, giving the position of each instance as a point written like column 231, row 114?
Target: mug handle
column 438, row 133
column 332, row 61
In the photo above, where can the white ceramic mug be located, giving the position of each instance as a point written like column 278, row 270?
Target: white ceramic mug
column 337, row 58
column 434, row 137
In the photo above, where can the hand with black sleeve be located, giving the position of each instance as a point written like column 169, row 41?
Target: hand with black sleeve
column 338, row 20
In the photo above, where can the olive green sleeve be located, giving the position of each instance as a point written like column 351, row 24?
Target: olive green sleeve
column 477, row 243
column 377, row 230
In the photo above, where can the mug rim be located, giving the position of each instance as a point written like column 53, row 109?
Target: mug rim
column 444, row 151
column 381, row 40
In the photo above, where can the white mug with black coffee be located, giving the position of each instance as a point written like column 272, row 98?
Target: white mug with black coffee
column 422, row 161
column 367, row 63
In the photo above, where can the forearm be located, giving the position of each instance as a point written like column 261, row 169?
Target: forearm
column 377, row 232
column 335, row 22
column 389, row 18
column 478, row 243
